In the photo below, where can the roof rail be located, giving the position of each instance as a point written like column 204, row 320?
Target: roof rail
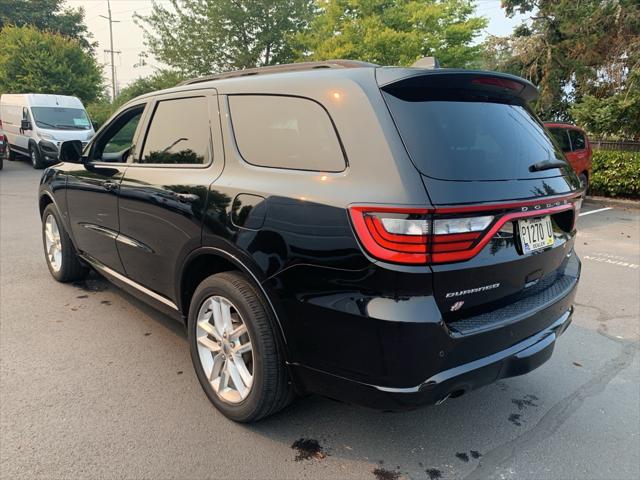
column 287, row 67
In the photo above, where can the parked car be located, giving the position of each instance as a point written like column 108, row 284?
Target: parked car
column 36, row 124
column 383, row 236
column 576, row 148
column 3, row 143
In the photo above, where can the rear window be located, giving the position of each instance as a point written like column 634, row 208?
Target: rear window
column 577, row 140
column 458, row 135
column 285, row 132
column 561, row 136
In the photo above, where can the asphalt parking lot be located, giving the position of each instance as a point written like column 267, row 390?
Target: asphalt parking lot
column 94, row 384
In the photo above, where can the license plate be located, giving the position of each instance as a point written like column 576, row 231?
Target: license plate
column 535, row 233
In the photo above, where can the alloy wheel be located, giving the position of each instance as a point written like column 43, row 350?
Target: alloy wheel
column 224, row 349
column 53, row 243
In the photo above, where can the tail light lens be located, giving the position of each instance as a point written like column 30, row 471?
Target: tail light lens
column 414, row 236
column 419, row 236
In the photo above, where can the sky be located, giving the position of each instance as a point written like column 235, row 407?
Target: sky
column 128, row 37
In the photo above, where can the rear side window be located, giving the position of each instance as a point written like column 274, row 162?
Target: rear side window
column 462, row 135
column 285, row 132
column 562, row 137
column 577, row 140
column 179, row 133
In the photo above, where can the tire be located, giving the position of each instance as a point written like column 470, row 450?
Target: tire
column 12, row 155
column 67, row 266
column 1, row 161
column 270, row 389
column 36, row 157
column 584, row 181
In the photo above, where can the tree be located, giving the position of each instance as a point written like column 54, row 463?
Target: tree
column 32, row 61
column 46, row 15
column 617, row 115
column 199, row 37
column 571, row 50
column 101, row 110
column 394, row 32
column 156, row 81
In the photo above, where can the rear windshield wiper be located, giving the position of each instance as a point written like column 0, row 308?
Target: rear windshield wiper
column 547, row 165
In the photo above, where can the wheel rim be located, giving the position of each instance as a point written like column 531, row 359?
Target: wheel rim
column 52, row 242
column 33, row 157
column 225, row 349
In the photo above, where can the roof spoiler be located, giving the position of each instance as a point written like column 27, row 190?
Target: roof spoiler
column 502, row 83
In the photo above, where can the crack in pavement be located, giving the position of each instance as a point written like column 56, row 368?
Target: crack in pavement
column 554, row 418
column 604, row 317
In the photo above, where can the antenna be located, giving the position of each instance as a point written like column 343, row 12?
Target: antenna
column 112, row 51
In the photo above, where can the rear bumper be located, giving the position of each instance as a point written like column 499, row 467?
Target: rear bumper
column 519, row 359
column 443, row 362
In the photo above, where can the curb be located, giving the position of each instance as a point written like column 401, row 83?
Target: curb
column 613, row 202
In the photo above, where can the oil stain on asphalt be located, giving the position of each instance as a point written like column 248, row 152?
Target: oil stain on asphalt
column 384, row 474
column 307, row 449
column 434, row 473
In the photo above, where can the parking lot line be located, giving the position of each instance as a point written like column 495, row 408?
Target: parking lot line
column 595, row 211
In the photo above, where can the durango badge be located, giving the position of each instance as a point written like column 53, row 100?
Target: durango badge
column 472, row 290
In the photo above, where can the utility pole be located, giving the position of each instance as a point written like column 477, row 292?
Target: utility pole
column 112, row 51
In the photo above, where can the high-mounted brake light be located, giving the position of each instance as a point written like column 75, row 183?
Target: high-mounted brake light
column 499, row 82
column 420, row 236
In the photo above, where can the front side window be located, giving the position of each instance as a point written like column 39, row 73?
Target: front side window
column 179, row 133
column 577, row 140
column 285, row 132
column 116, row 140
column 59, row 118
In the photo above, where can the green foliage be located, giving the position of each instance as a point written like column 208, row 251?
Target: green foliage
column 101, row 110
column 616, row 174
column 47, row 15
column 394, row 32
column 617, row 115
column 200, row 37
column 157, row 81
column 571, row 49
column 32, row 61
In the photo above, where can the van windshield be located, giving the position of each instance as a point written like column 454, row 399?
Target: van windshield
column 460, row 136
column 59, row 118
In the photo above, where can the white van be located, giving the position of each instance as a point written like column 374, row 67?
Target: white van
column 36, row 124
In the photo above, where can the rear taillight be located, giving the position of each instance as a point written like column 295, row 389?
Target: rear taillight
column 420, row 236
column 415, row 236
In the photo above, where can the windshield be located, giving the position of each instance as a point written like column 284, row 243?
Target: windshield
column 59, row 118
column 456, row 136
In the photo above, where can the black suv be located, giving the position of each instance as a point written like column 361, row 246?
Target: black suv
column 380, row 235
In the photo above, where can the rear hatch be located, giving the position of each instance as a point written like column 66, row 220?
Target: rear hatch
column 503, row 198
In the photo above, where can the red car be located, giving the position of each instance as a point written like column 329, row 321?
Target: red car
column 576, row 147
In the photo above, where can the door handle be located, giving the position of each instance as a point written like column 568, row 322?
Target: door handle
column 110, row 186
column 186, row 197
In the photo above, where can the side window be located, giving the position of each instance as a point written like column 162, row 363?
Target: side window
column 116, row 142
column 577, row 140
column 560, row 136
column 179, row 133
column 285, row 132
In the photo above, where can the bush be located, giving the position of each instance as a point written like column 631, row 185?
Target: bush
column 99, row 112
column 616, row 174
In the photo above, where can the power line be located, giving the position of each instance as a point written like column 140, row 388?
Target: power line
column 112, row 51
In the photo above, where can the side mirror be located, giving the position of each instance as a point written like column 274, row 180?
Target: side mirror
column 71, row 151
column 25, row 125
column 94, row 124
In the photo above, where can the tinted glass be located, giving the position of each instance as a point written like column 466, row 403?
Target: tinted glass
column 465, row 136
column 577, row 140
column 59, row 118
column 122, row 138
column 285, row 132
column 179, row 133
column 560, row 136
